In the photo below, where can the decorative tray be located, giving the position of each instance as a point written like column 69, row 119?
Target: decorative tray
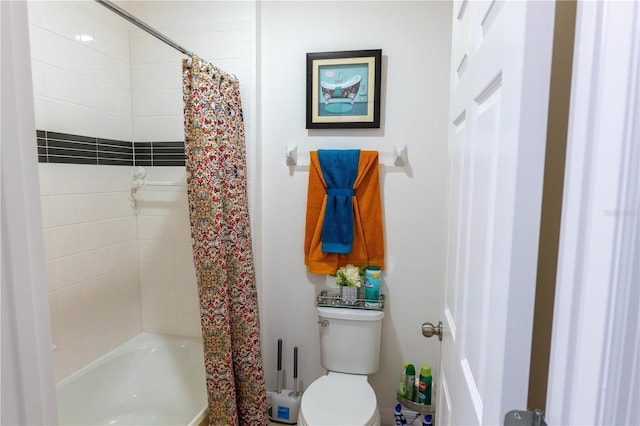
column 331, row 298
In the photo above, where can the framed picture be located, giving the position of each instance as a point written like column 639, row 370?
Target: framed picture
column 343, row 89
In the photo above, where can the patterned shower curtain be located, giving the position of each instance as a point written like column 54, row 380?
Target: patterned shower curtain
column 222, row 251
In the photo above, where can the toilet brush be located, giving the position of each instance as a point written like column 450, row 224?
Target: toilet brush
column 295, row 392
column 285, row 403
column 279, row 378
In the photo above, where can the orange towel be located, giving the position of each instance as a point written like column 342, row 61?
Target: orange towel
column 368, row 241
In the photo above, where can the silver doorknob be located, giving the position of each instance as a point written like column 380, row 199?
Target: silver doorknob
column 429, row 330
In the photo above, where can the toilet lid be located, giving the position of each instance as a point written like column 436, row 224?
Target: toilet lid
column 339, row 399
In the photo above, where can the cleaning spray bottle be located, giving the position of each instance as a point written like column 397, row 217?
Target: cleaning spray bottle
column 402, row 384
column 410, row 383
column 424, row 385
column 400, row 420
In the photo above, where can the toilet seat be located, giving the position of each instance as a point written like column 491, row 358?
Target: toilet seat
column 339, row 399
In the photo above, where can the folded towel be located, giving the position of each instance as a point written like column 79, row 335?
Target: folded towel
column 368, row 243
column 339, row 170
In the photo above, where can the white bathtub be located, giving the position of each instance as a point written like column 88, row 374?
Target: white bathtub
column 149, row 380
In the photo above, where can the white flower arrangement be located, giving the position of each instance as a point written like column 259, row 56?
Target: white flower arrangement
column 350, row 276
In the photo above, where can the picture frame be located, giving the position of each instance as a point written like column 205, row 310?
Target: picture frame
column 343, row 89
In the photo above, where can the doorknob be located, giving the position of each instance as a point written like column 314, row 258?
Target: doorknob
column 429, row 330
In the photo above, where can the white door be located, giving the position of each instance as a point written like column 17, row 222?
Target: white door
column 501, row 63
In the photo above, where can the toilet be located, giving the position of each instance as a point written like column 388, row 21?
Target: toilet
column 349, row 350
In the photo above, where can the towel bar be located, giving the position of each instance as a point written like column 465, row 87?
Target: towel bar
column 139, row 180
column 399, row 156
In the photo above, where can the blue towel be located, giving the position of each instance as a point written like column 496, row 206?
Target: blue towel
column 339, row 169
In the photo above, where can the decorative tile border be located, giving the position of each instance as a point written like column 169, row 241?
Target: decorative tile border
column 55, row 147
column 159, row 153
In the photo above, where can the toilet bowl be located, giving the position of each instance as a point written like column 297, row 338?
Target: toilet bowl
column 339, row 399
column 349, row 350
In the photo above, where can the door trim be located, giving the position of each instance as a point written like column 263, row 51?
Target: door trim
column 594, row 343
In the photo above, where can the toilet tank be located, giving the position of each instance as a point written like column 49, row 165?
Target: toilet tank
column 350, row 339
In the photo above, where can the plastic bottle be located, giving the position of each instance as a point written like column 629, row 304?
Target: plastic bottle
column 400, row 420
column 410, row 383
column 372, row 286
column 427, row 420
column 424, row 385
column 401, row 385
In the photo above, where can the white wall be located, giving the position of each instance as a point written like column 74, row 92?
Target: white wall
column 415, row 40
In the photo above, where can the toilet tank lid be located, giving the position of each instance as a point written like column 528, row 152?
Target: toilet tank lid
column 350, row 314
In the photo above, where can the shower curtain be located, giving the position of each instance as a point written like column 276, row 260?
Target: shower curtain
column 221, row 239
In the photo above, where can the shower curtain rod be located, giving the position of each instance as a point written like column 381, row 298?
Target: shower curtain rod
column 137, row 22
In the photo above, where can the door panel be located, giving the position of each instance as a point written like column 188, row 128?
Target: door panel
column 499, row 85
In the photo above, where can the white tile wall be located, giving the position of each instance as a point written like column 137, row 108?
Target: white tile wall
column 157, row 93
column 80, row 63
column 156, row 71
column 112, row 273
column 92, row 260
column 166, row 269
column 167, row 276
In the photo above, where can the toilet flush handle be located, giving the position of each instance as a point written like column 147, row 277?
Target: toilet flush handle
column 323, row 323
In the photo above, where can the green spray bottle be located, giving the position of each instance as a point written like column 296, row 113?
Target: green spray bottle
column 424, row 385
column 410, row 380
